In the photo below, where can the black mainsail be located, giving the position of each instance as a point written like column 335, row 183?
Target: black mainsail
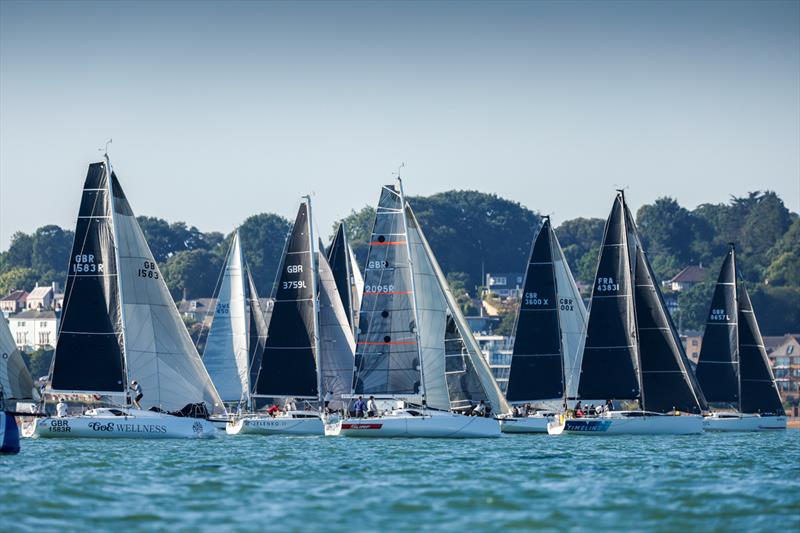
column 632, row 349
column 537, row 364
column 610, row 356
column 288, row 365
column 718, row 364
column 89, row 353
column 733, row 367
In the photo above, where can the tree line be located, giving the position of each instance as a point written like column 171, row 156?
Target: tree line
column 472, row 233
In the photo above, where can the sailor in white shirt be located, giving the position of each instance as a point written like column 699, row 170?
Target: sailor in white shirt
column 61, row 408
column 372, row 407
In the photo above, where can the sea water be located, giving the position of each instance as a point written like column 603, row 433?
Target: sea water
column 708, row 482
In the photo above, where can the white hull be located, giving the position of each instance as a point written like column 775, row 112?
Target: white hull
column 742, row 422
column 430, row 424
column 622, row 423
column 526, row 424
column 293, row 423
column 133, row 424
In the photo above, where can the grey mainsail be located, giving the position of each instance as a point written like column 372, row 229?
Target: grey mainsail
column 15, row 380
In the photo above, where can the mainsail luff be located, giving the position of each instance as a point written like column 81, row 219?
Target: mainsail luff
column 226, row 353
column 289, row 363
column 609, row 369
column 758, row 391
column 90, row 349
column 537, row 361
column 718, row 364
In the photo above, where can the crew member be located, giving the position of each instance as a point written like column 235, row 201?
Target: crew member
column 61, row 408
column 372, row 408
column 136, row 393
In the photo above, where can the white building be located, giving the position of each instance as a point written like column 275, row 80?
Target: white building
column 33, row 329
column 497, row 351
column 40, row 297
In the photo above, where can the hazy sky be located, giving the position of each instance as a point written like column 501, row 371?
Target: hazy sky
column 222, row 110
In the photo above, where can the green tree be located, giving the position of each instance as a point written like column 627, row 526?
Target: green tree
column 263, row 237
column 18, row 278
column 38, row 362
column 19, row 253
column 777, row 309
column 469, row 231
column 784, row 268
column 50, row 252
column 192, row 274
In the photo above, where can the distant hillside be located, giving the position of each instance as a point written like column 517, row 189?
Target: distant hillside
column 471, row 232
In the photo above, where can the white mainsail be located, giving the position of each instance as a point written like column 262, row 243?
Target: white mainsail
column 358, row 282
column 159, row 353
column 226, row 353
column 336, row 343
column 15, row 380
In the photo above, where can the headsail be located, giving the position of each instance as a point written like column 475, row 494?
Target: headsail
column 759, row 392
column 610, row 356
column 159, row 353
column 289, row 364
column 537, row 364
column 718, row 364
column 89, row 355
column 345, row 271
column 226, row 353
column 447, row 345
column 15, row 380
column 336, row 338
column 257, row 333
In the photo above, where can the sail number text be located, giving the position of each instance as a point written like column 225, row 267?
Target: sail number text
column 378, row 264
column 223, row 309
column 378, row 288
column 294, row 269
column 719, row 315
column 85, row 263
column 299, row 284
column 607, row 285
column 532, row 298
column 149, row 270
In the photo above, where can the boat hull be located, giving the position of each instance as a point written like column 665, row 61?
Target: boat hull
column 624, row 425
column 428, row 425
column 279, row 425
column 743, row 422
column 9, row 434
column 526, row 424
column 109, row 426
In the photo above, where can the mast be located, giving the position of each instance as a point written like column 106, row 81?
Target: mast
column 413, row 288
column 554, row 244
column 315, row 293
column 738, row 354
column 123, row 323
column 629, row 227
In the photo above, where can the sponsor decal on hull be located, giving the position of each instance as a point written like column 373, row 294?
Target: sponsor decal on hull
column 587, row 425
column 63, row 426
column 362, row 426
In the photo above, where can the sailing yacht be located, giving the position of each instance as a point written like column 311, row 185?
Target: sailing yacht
column 119, row 324
column 308, row 350
column 415, row 353
column 632, row 352
column 16, row 385
column 548, row 338
column 237, row 333
column 733, row 369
